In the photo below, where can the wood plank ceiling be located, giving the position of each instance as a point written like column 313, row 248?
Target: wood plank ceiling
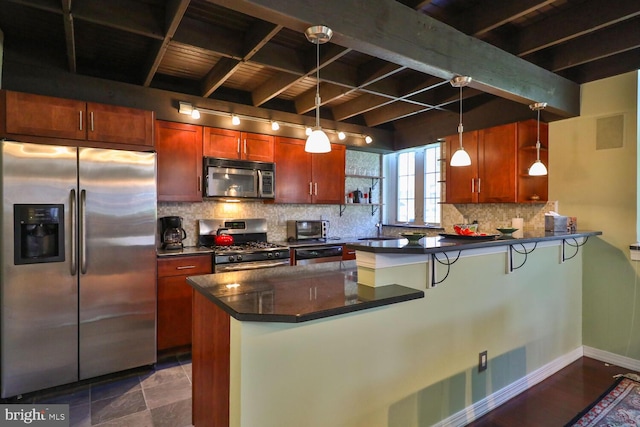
column 388, row 65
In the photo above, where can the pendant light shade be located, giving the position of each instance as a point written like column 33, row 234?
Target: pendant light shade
column 460, row 157
column 318, row 141
column 538, row 168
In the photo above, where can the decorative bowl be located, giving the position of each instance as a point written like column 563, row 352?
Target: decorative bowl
column 507, row 231
column 465, row 229
column 413, row 237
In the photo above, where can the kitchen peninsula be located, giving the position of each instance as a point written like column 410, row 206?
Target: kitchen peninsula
column 402, row 364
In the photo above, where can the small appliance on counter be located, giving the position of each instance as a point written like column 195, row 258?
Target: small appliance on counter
column 172, row 234
column 307, row 230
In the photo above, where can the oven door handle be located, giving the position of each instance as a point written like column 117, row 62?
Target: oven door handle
column 250, row 266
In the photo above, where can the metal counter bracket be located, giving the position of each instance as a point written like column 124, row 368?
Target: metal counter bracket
column 432, row 268
column 575, row 245
column 524, row 252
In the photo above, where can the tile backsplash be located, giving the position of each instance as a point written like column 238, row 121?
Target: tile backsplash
column 353, row 220
column 356, row 220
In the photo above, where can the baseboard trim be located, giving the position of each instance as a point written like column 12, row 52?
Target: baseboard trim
column 612, row 358
column 496, row 399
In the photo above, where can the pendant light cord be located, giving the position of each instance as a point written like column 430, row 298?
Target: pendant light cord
column 317, row 84
column 538, row 138
column 460, row 128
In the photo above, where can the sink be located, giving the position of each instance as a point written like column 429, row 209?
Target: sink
column 378, row 238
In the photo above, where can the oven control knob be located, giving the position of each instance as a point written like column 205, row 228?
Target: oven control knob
column 269, row 255
column 239, row 257
column 231, row 258
column 276, row 254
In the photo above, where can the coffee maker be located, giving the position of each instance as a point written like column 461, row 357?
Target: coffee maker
column 172, row 233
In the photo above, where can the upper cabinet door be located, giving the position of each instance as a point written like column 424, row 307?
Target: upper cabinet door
column 257, row 147
column 179, row 148
column 497, row 164
column 222, row 143
column 293, row 171
column 328, row 175
column 462, row 181
column 231, row 144
column 46, row 116
column 121, row 125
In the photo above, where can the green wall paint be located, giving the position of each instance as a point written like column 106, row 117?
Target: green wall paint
column 415, row 363
column 599, row 186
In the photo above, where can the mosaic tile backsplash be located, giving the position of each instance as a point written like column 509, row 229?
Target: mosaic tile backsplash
column 356, row 220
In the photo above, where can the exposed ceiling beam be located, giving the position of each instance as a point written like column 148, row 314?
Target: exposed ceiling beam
column 258, row 37
column 69, row 35
column 607, row 42
column 133, row 17
column 174, row 13
column 386, row 29
column 574, row 22
column 488, row 15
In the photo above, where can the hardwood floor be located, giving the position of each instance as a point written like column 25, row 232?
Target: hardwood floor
column 556, row 400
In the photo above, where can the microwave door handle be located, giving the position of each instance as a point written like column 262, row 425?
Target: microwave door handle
column 259, row 182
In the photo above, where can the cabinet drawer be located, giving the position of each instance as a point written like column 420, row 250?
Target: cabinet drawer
column 184, row 266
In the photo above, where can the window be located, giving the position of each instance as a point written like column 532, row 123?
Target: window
column 406, row 209
column 413, row 187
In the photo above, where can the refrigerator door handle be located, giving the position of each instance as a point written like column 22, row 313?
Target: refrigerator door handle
column 74, row 228
column 83, row 231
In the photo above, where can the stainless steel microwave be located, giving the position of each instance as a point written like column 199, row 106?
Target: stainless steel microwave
column 239, row 179
column 307, row 230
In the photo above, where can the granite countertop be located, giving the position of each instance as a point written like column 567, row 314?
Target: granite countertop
column 296, row 294
column 439, row 244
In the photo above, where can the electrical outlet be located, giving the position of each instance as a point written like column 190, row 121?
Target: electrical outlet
column 482, row 361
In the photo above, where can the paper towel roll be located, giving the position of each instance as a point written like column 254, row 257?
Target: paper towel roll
column 519, row 224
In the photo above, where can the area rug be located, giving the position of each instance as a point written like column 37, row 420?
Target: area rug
column 617, row 407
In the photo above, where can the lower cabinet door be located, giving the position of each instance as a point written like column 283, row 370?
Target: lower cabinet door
column 175, row 298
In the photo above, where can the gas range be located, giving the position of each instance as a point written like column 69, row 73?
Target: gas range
column 250, row 249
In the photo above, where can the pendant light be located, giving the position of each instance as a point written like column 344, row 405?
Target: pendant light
column 460, row 157
column 538, row 168
column 318, row 141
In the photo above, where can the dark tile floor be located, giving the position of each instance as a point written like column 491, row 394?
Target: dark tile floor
column 160, row 397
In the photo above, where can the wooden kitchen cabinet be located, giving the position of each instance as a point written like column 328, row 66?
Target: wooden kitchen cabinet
column 303, row 177
column 179, row 148
column 348, row 254
column 500, row 158
column 231, row 144
column 175, row 298
column 51, row 117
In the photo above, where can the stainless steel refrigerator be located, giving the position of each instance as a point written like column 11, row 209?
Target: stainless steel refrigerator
column 78, row 280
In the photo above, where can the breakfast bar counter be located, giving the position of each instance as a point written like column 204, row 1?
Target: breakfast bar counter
column 296, row 294
column 387, row 339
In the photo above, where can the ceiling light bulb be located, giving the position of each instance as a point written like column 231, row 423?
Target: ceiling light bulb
column 235, row 120
column 341, row 136
column 275, row 125
column 307, row 131
column 368, row 139
column 317, row 142
column 195, row 114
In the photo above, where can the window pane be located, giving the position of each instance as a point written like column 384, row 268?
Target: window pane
column 432, row 186
column 406, row 187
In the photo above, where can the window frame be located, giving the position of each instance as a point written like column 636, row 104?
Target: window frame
column 390, row 172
